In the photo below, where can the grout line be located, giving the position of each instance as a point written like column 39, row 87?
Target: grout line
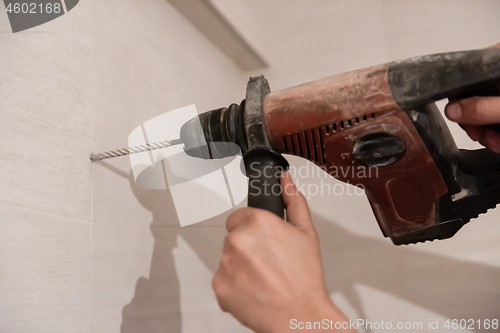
column 227, row 186
column 90, row 241
column 165, row 176
column 43, row 211
column 92, row 168
column 73, row 254
column 89, row 290
column 110, row 226
column 147, row 142
column 160, row 226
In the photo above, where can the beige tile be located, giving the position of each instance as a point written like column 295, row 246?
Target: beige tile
column 119, row 202
column 152, row 66
column 44, row 279
column 200, row 311
column 4, row 22
column 416, row 318
column 157, row 281
column 135, row 281
column 46, row 127
column 121, row 262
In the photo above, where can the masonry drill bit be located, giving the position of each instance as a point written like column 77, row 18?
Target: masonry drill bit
column 133, row 150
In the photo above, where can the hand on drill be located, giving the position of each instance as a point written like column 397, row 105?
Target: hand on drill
column 271, row 271
column 473, row 113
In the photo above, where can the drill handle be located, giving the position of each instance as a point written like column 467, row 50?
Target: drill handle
column 482, row 90
column 495, row 127
column 418, row 81
column 263, row 168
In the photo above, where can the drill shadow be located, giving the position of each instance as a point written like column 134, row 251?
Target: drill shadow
column 452, row 288
column 155, row 306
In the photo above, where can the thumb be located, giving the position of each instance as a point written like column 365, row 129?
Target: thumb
column 475, row 111
column 297, row 210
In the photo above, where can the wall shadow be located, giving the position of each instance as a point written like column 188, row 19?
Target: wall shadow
column 155, row 306
column 450, row 287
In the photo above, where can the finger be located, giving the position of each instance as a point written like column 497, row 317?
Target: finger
column 484, row 135
column 491, row 140
column 475, row 111
column 297, row 210
column 226, row 246
column 234, row 240
column 475, row 132
column 237, row 218
column 219, row 287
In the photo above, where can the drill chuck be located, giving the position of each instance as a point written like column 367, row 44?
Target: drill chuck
column 215, row 134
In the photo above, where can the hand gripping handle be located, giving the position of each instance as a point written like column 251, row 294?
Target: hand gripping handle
column 264, row 168
column 484, row 90
column 418, row 81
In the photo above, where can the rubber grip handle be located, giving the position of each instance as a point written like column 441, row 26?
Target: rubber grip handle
column 263, row 168
column 494, row 127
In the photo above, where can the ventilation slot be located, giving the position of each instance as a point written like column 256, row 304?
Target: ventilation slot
column 307, row 144
column 348, row 123
column 310, row 144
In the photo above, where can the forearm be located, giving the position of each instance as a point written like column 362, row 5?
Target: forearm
column 313, row 315
column 317, row 318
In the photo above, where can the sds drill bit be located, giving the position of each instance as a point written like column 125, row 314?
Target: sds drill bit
column 133, row 150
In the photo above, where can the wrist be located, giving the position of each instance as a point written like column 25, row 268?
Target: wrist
column 311, row 310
